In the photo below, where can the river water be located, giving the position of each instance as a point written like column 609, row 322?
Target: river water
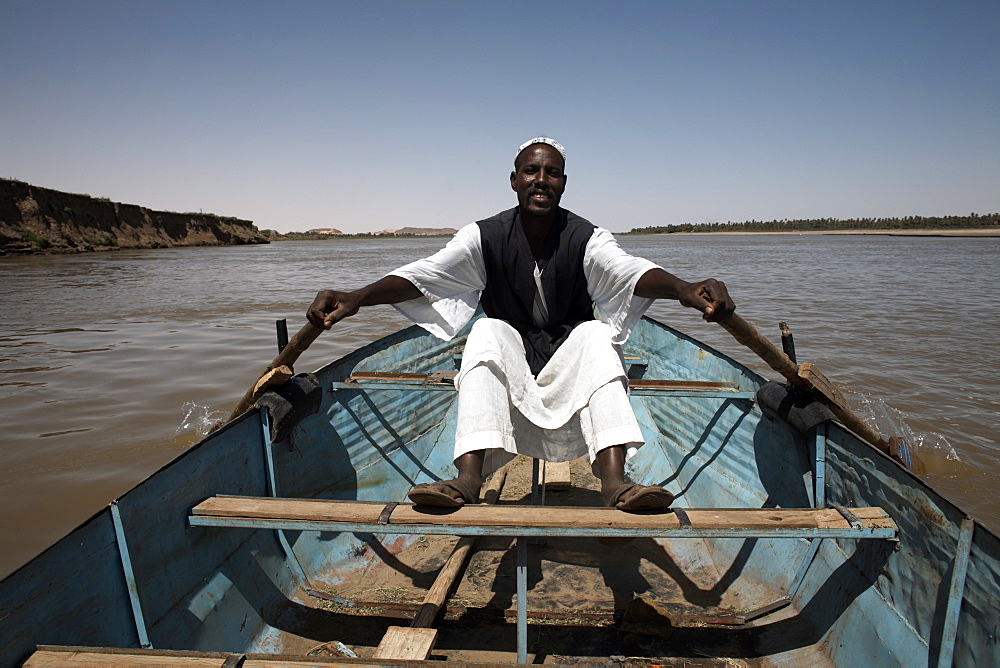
column 112, row 363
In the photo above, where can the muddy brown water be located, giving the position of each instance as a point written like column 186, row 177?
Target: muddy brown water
column 112, row 363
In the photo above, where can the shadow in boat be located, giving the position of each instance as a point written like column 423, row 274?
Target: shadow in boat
column 485, row 627
column 852, row 578
column 743, row 408
column 619, row 568
column 806, row 628
column 397, row 441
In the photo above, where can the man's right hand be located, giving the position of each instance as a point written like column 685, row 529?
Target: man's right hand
column 710, row 297
column 331, row 306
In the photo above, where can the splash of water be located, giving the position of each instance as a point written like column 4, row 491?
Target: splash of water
column 891, row 421
column 199, row 420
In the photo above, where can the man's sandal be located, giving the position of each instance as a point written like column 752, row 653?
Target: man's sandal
column 425, row 494
column 649, row 497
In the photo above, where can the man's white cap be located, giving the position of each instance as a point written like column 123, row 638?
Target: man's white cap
column 542, row 140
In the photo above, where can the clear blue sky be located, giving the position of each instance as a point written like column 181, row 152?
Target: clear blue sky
column 373, row 115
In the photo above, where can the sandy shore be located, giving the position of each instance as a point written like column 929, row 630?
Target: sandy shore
column 978, row 232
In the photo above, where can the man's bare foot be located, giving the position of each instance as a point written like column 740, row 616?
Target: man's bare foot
column 445, row 493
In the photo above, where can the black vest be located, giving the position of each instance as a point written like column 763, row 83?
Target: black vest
column 510, row 282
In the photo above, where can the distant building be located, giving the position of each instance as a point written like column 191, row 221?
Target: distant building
column 418, row 231
column 324, row 230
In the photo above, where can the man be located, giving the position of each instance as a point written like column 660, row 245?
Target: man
column 540, row 375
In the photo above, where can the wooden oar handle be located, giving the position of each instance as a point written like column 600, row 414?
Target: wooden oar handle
column 748, row 335
column 805, row 376
column 296, row 346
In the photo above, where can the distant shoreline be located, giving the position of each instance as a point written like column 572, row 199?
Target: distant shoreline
column 363, row 235
column 972, row 232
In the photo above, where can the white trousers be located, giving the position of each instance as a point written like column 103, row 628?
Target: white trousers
column 578, row 405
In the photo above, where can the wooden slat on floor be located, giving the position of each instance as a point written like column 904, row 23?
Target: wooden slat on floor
column 511, row 520
column 556, row 476
column 400, row 642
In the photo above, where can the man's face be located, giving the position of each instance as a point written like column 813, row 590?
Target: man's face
column 538, row 179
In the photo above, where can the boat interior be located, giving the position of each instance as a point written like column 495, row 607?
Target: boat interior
column 287, row 534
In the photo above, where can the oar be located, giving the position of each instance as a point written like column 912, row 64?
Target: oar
column 438, row 592
column 807, row 377
column 279, row 370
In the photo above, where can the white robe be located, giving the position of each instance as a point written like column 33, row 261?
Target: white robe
column 578, row 404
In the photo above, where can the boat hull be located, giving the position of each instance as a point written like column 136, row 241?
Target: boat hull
column 229, row 589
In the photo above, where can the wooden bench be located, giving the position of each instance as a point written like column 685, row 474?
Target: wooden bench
column 485, row 520
column 444, row 381
column 630, row 360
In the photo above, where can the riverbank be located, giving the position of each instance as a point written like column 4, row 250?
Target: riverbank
column 35, row 220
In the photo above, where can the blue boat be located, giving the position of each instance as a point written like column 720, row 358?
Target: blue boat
column 286, row 536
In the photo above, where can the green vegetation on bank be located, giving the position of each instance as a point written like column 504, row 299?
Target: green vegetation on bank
column 274, row 235
column 972, row 221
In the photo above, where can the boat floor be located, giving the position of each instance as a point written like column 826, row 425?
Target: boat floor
column 647, row 601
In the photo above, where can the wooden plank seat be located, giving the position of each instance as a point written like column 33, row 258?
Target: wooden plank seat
column 58, row 655
column 444, row 380
column 511, row 520
column 62, row 655
column 630, row 360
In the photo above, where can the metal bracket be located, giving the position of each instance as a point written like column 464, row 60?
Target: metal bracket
column 522, row 599
column 757, row 613
column 383, row 518
column 441, row 378
column 793, row 588
column 956, row 593
column 133, row 589
column 851, row 518
column 819, row 480
column 292, row 560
